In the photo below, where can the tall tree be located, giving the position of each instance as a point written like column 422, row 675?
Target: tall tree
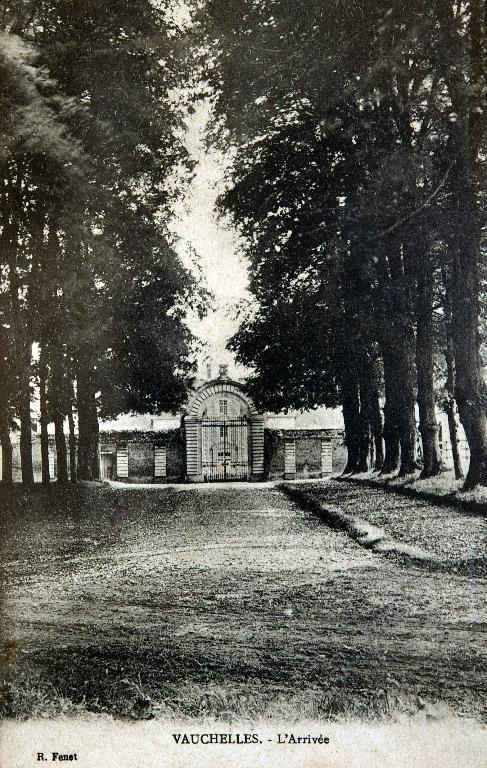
column 37, row 139
column 397, row 128
column 100, row 59
column 462, row 58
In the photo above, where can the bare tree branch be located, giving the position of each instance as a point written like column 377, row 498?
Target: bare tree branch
column 398, row 224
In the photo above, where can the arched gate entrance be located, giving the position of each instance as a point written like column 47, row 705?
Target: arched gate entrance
column 224, row 434
column 225, row 448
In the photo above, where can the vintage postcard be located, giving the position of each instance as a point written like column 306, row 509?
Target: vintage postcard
column 243, row 383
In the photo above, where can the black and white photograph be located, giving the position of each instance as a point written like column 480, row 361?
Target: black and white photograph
column 243, row 383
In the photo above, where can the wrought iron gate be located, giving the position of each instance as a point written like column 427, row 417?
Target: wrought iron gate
column 225, row 449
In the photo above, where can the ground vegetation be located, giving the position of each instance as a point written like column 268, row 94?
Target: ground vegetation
column 118, row 602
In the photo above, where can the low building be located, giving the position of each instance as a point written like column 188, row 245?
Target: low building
column 220, row 437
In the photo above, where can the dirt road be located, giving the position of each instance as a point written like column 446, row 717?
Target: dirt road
column 223, row 602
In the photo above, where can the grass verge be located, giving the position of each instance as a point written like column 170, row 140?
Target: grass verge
column 367, row 535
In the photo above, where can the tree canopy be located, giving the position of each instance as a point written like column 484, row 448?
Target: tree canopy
column 89, row 275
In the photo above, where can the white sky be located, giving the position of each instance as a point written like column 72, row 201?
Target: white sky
column 214, row 242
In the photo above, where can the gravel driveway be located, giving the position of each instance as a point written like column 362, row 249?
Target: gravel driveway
column 223, row 602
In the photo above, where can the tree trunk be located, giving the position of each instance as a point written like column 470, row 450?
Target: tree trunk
column 428, row 424
column 95, row 447
column 371, row 437
column 58, row 407
column 22, row 360
column 6, row 443
column 369, row 392
column 453, row 431
column 449, row 407
column 377, row 431
column 407, row 416
column 43, row 417
column 397, row 345
column 364, row 432
column 402, row 351
column 25, row 425
column 61, row 454
column 5, row 415
column 391, row 426
column 365, row 429
column 467, row 134
column 470, row 388
column 364, row 441
column 351, row 418
column 88, row 429
column 72, row 444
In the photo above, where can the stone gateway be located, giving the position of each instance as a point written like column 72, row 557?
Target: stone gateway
column 220, row 437
column 224, row 434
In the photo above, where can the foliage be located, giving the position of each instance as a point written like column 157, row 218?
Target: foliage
column 88, row 133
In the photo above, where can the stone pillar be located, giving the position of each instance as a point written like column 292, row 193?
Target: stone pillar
column 160, row 461
column 326, row 456
column 122, row 461
column 289, row 458
column 257, row 442
column 193, row 449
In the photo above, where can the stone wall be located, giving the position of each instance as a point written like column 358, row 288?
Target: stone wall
column 287, row 453
column 141, row 460
column 138, row 455
column 308, row 456
column 140, row 450
column 142, row 456
column 273, row 454
column 175, row 453
column 303, row 448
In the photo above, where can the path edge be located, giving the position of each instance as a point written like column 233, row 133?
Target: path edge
column 364, row 533
column 452, row 499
